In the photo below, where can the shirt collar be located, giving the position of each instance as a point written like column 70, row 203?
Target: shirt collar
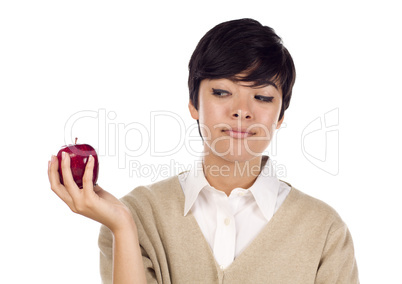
column 193, row 182
column 264, row 190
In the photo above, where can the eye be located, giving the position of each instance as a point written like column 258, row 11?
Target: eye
column 220, row 93
column 264, row 99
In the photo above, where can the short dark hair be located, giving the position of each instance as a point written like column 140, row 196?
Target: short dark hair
column 242, row 46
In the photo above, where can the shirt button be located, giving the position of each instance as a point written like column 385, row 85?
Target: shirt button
column 227, row 221
column 222, row 267
column 241, row 193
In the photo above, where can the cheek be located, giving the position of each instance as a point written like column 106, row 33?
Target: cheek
column 266, row 123
column 268, row 113
column 207, row 119
column 210, row 112
column 208, row 125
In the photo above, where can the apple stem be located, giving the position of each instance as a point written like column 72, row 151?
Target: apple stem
column 75, row 140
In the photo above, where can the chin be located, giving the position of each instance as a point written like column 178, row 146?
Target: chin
column 234, row 156
column 232, row 150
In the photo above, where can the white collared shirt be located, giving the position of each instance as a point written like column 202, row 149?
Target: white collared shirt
column 230, row 223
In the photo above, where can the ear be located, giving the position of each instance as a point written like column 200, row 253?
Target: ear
column 193, row 111
column 278, row 125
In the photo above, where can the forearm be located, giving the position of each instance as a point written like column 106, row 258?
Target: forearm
column 128, row 267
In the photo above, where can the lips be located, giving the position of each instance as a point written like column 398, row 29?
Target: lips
column 238, row 133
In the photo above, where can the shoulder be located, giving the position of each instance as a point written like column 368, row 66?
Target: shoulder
column 312, row 210
column 164, row 187
column 166, row 193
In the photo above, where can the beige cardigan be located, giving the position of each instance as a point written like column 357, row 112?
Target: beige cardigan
column 305, row 242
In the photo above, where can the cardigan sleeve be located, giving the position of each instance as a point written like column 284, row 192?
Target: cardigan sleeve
column 338, row 264
column 105, row 243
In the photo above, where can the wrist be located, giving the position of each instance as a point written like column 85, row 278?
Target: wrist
column 125, row 225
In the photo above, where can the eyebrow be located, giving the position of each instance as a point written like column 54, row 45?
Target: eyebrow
column 265, row 84
column 273, row 84
column 270, row 84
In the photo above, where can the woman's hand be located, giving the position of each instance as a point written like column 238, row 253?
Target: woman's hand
column 99, row 205
column 90, row 201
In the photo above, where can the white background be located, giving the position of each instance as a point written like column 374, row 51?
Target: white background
column 64, row 60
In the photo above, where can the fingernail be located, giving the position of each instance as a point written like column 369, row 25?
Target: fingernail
column 90, row 158
column 63, row 155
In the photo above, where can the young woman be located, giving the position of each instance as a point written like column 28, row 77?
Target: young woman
column 229, row 219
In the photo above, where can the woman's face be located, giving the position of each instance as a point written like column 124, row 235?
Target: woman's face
column 237, row 121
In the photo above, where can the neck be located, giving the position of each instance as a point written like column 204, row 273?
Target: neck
column 227, row 175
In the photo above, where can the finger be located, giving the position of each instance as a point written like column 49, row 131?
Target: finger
column 68, row 179
column 88, row 186
column 54, row 180
column 97, row 188
column 48, row 168
column 53, row 173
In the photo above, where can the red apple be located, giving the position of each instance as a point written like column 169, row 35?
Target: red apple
column 79, row 154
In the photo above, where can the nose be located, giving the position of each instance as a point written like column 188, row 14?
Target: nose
column 241, row 114
column 241, row 109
